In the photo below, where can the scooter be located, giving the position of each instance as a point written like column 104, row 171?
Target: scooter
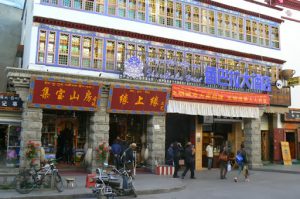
column 115, row 183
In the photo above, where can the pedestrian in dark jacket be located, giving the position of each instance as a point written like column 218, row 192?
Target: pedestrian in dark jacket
column 189, row 160
column 223, row 159
column 116, row 150
column 170, row 155
column 176, row 156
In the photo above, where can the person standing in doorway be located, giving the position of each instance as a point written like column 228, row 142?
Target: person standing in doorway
column 210, row 155
column 170, row 155
column 189, row 160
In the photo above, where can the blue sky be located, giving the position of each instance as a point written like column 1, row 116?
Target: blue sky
column 14, row 3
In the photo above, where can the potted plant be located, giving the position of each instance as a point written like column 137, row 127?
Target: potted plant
column 102, row 151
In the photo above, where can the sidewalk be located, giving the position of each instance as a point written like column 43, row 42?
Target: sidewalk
column 280, row 168
column 144, row 183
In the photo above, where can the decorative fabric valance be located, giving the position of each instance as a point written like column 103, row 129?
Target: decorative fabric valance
column 205, row 109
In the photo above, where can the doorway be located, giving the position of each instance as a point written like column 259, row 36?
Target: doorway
column 291, row 138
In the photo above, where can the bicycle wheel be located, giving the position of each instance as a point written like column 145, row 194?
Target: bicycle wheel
column 101, row 195
column 24, row 182
column 58, row 182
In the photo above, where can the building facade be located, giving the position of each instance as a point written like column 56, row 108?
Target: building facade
column 150, row 72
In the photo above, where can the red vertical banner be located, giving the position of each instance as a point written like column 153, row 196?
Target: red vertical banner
column 137, row 100
column 62, row 94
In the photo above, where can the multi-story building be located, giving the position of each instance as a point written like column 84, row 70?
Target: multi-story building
column 150, row 72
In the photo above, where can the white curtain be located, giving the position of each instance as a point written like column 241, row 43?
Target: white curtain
column 194, row 108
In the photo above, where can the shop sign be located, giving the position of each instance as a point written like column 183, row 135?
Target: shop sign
column 230, row 78
column 294, row 81
column 62, row 94
column 205, row 94
column 10, row 102
column 292, row 115
column 137, row 100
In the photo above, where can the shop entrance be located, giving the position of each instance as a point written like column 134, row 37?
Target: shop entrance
column 9, row 145
column 290, row 138
column 64, row 135
column 129, row 129
column 180, row 128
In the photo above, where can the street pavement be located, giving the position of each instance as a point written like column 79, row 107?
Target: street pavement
column 280, row 182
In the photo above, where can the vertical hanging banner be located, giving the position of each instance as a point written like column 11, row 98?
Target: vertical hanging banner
column 137, row 100
column 62, row 94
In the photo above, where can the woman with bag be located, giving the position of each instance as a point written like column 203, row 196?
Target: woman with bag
column 223, row 159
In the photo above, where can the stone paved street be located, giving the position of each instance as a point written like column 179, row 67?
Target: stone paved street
column 262, row 185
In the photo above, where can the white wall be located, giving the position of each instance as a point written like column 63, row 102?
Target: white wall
column 290, row 41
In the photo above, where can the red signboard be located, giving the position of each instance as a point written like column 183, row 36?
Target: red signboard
column 49, row 93
column 205, row 94
column 137, row 100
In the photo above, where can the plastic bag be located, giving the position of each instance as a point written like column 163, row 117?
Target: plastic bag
column 228, row 167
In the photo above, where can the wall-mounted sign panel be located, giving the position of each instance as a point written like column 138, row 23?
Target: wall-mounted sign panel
column 52, row 93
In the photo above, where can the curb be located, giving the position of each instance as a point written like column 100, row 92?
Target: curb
column 277, row 171
column 91, row 195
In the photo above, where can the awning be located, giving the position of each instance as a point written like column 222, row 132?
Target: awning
column 205, row 109
column 276, row 109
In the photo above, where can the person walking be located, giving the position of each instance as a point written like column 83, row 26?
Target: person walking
column 210, row 155
column 242, row 161
column 223, row 159
column 189, row 160
column 177, row 148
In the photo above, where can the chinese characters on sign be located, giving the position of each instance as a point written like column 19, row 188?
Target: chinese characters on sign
column 65, row 94
column 138, row 100
column 10, row 102
column 230, row 78
column 205, row 94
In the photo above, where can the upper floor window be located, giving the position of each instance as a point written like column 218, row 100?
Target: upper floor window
column 183, row 15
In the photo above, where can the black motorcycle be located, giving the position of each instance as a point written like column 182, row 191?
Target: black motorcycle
column 115, row 183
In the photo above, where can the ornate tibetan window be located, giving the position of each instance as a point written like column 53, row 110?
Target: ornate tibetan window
column 221, row 25
column 112, row 4
column 211, row 22
column 42, row 46
column 141, row 8
column 171, row 62
column 77, row 4
column 110, row 55
column 274, row 37
column 120, row 55
column 188, row 17
column 254, row 32
column 162, row 12
column 204, row 20
column 196, row 19
column 248, row 31
column 98, row 54
column 131, row 9
column 130, row 51
column 89, row 5
column 152, row 54
column 66, row 3
column 267, row 35
column 63, row 53
column 234, row 27
column 261, row 34
column 227, row 25
column 87, row 52
column 75, row 50
column 152, row 11
column 170, row 13
column 241, row 29
column 162, row 58
column 51, row 48
column 100, row 6
column 178, row 15
column 141, row 53
column 122, row 8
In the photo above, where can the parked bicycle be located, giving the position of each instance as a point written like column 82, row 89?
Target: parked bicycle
column 29, row 179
